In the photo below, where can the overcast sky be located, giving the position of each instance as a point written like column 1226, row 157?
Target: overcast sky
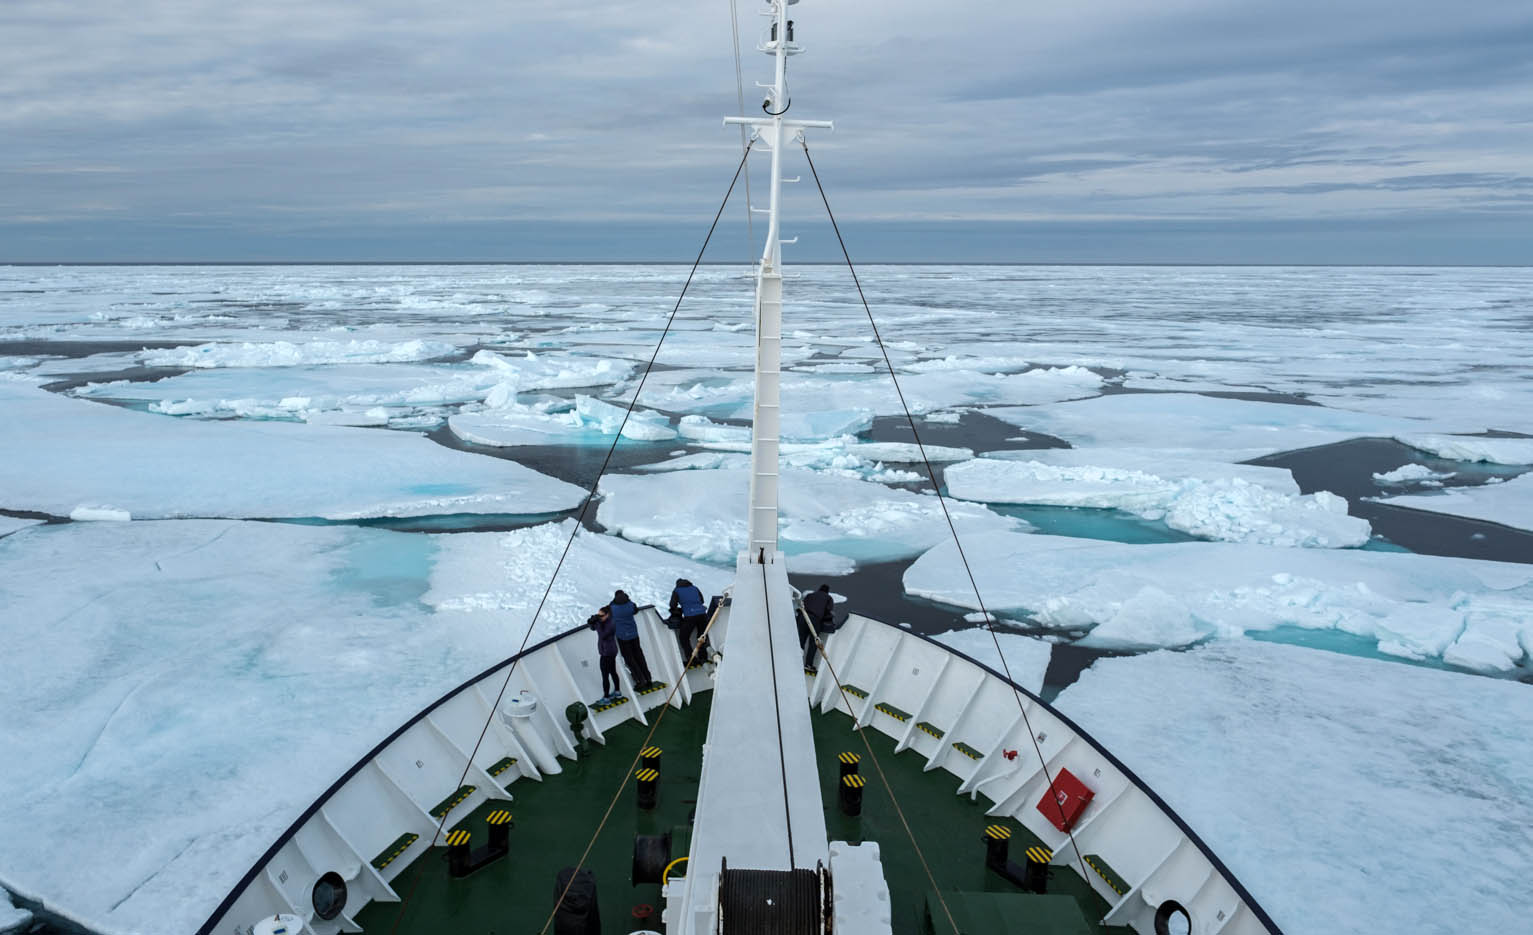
column 1095, row 130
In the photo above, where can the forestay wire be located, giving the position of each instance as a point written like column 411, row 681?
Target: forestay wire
column 579, row 521
column 989, row 621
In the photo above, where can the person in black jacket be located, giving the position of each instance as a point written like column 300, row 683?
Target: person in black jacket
column 819, row 612
column 606, row 651
column 687, row 604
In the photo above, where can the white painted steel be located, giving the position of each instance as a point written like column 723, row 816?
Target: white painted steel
column 774, row 133
column 758, row 797
column 390, row 794
column 860, row 892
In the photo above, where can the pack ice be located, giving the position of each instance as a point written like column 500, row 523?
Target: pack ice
column 64, row 454
column 1337, row 789
column 181, row 703
column 699, row 513
column 1467, row 612
column 1223, row 429
column 1234, row 503
column 1509, row 503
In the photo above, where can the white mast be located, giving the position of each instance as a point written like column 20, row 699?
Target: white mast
column 759, row 808
column 773, row 132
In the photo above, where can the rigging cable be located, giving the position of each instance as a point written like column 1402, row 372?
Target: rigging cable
column 745, row 141
column 579, row 521
column 702, row 639
column 858, row 730
column 782, row 757
column 942, row 501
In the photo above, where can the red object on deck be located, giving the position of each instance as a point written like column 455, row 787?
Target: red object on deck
column 1066, row 799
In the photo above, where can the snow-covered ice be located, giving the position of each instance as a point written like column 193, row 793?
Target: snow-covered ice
column 1473, row 448
column 701, row 514
column 288, row 353
column 589, row 421
column 1232, row 429
column 185, row 655
column 1206, row 500
column 1469, row 612
column 1026, row 658
column 501, row 574
column 1412, row 474
column 1348, row 795
column 1509, row 503
column 62, row 454
column 12, row 919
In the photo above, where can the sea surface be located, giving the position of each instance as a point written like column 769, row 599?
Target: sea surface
column 1169, row 386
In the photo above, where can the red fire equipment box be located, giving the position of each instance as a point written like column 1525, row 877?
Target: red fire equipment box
column 1066, row 799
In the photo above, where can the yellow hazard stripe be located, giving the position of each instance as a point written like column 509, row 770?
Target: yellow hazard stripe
column 457, row 837
column 650, row 751
column 1040, row 855
column 998, row 832
column 645, row 775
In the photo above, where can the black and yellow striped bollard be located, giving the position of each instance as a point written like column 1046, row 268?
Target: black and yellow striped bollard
column 1035, row 873
column 649, row 758
column 850, row 764
column 649, row 787
column 851, row 794
column 457, row 852
column 500, row 829
column 997, row 845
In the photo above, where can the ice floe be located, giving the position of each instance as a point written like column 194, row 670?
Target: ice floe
column 290, row 354
column 701, row 514
column 186, row 655
column 1509, row 503
column 1143, row 596
column 1232, row 429
column 63, row 454
column 1412, row 474
column 1198, row 498
column 1473, row 448
column 1026, row 658
column 1336, row 789
column 589, row 421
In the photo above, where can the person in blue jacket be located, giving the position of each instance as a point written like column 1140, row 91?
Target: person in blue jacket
column 623, row 611
column 687, row 604
column 606, row 651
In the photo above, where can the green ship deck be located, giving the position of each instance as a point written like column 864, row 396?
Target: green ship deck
column 554, row 819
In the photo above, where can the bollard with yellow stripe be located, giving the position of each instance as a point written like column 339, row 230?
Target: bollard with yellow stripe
column 500, row 829
column 649, row 757
column 648, row 787
column 458, row 853
column 997, row 846
column 1035, row 873
column 850, row 763
column 851, row 794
